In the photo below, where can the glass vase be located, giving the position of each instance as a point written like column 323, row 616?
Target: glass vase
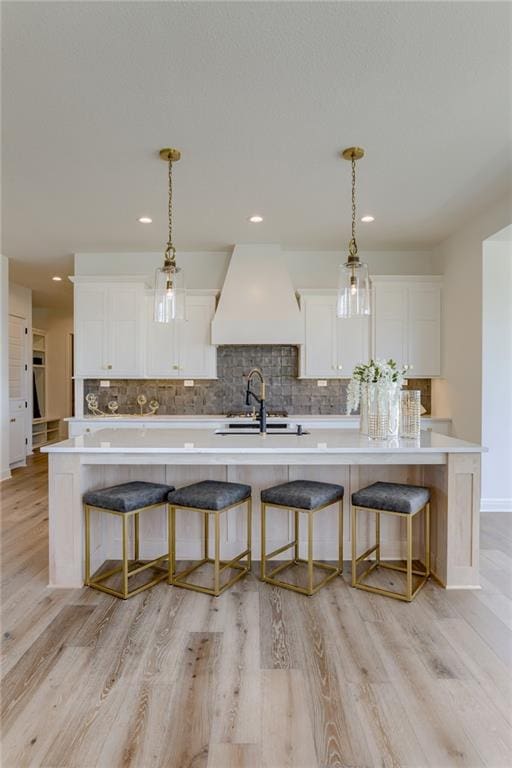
column 363, row 410
column 378, row 413
column 393, row 393
column 410, row 413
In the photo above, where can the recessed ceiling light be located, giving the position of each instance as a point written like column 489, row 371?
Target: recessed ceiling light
column 256, row 219
column 367, row 219
column 145, row 220
column 57, row 279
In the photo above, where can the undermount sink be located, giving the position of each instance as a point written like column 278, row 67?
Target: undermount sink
column 256, row 431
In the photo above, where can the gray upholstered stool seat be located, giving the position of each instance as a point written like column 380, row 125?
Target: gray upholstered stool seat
column 211, row 498
column 306, row 497
column 210, row 494
column 392, row 497
column 127, row 497
column 303, row 494
column 126, row 501
column 396, row 500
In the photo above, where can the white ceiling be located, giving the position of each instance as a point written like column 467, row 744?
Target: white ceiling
column 260, row 97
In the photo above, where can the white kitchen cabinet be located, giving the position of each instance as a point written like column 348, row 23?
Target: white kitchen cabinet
column 424, row 337
column 407, row 324
column 17, row 444
column 108, row 329
column 197, row 356
column 182, row 350
column 332, row 347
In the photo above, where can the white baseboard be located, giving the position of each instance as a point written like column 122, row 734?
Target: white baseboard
column 496, row 505
column 6, row 475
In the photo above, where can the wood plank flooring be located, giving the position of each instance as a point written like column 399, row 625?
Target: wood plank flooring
column 258, row 678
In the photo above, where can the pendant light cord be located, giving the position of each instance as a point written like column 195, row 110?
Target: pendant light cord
column 353, row 245
column 170, row 252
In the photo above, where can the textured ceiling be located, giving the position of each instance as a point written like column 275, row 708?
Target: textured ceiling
column 260, row 97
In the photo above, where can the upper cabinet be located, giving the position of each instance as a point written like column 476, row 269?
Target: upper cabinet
column 116, row 336
column 108, row 329
column 407, row 323
column 332, row 347
column 182, row 350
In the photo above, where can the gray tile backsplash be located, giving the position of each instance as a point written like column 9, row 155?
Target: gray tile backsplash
column 285, row 392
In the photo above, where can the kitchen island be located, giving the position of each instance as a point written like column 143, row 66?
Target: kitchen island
column 449, row 467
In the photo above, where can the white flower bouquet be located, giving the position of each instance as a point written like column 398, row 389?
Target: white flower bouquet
column 383, row 373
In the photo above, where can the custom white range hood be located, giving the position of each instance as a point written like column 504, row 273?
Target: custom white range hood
column 257, row 304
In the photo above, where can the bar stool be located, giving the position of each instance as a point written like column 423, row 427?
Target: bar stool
column 391, row 499
column 210, row 497
column 298, row 496
column 126, row 500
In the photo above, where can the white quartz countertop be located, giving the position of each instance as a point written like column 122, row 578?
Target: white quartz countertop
column 198, row 441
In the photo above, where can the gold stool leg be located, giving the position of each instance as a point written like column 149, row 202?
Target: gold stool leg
column 377, row 536
column 171, row 533
column 206, row 535
column 249, row 532
column 310, row 551
column 125, row 556
column 216, row 586
column 87, row 545
column 426, row 512
column 296, row 531
column 136, row 550
column 409, row 558
column 340, row 535
column 263, row 542
column 353, row 536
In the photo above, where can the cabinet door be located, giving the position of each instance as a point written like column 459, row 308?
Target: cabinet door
column 17, row 356
column 197, row 355
column 90, row 330
column 17, row 449
column 424, row 330
column 319, row 353
column 390, row 322
column 353, row 344
column 124, row 330
column 162, row 354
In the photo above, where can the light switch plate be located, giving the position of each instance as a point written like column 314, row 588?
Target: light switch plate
column 188, row 383
column 322, row 382
column 104, row 383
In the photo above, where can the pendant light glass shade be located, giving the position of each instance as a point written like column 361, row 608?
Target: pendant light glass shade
column 169, row 302
column 354, row 291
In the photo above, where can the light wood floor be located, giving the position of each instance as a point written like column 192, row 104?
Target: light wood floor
column 258, row 678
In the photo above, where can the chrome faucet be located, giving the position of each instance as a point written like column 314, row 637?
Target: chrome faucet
column 259, row 399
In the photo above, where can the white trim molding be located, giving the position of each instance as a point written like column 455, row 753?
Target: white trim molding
column 496, row 505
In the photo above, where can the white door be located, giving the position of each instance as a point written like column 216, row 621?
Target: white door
column 90, row 330
column 124, row 330
column 319, row 352
column 390, row 322
column 353, row 344
column 17, row 445
column 197, row 355
column 424, row 330
column 162, row 353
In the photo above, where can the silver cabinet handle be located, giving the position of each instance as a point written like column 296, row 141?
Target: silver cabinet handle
column 12, row 420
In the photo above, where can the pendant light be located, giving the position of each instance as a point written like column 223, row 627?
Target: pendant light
column 354, row 287
column 169, row 304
